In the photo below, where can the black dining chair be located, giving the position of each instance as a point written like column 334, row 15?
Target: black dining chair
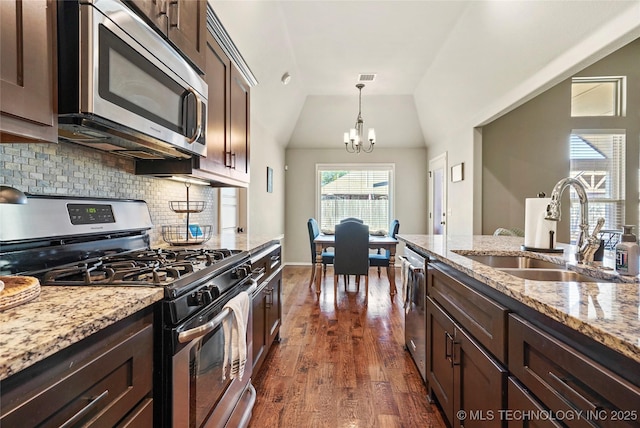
column 380, row 259
column 327, row 257
column 351, row 255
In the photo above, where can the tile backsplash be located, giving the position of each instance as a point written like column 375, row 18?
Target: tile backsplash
column 71, row 170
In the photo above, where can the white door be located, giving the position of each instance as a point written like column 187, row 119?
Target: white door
column 228, row 209
column 438, row 195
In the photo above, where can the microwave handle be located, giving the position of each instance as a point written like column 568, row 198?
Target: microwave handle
column 199, row 124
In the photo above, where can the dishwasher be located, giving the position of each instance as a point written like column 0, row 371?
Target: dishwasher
column 414, row 283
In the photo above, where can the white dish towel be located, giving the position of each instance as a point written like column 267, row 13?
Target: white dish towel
column 235, row 335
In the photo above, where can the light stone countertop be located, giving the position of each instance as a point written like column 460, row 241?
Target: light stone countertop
column 231, row 241
column 62, row 316
column 605, row 312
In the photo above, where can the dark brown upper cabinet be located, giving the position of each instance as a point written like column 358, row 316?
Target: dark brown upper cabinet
column 227, row 118
column 182, row 22
column 28, row 76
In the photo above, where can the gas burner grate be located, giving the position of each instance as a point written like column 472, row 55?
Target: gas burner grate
column 147, row 267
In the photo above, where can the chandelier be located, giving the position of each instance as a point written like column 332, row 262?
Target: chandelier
column 354, row 140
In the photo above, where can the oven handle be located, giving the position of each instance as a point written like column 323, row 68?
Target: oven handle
column 195, row 333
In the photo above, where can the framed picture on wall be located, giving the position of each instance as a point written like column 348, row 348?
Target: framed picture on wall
column 269, row 180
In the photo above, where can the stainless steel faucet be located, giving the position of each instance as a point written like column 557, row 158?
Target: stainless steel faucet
column 586, row 244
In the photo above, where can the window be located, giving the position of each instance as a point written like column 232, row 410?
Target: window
column 348, row 190
column 598, row 161
column 597, row 96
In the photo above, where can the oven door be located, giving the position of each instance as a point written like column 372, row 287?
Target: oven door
column 129, row 79
column 202, row 397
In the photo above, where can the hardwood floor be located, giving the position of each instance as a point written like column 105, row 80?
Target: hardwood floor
column 340, row 365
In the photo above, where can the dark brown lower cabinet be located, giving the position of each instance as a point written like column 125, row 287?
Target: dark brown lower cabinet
column 266, row 303
column 105, row 380
column 577, row 390
column 468, row 383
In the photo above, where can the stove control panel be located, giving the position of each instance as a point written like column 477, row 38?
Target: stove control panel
column 90, row 213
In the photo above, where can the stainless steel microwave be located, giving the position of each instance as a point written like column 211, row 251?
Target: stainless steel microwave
column 123, row 88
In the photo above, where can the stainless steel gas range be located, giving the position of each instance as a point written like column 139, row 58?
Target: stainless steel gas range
column 105, row 243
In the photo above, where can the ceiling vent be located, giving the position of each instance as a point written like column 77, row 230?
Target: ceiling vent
column 369, row 77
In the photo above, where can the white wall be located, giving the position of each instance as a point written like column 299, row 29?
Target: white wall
column 410, row 191
column 266, row 210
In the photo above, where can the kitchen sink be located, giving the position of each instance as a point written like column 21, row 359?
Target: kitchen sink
column 560, row 275
column 519, row 262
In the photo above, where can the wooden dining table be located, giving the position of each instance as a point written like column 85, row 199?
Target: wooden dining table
column 323, row 242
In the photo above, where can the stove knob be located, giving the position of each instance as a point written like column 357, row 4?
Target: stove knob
column 240, row 272
column 206, row 296
column 200, row 298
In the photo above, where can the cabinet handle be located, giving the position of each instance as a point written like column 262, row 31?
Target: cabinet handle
column 233, row 160
column 455, row 356
column 269, row 292
column 163, row 7
column 564, row 385
column 447, row 354
column 172, row 23
column 85, row 410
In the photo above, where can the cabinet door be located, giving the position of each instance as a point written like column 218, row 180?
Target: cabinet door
column 239, row 147
column 218, row 76
column 274, row 306
column 188, row 29
column 480, row 384
column 259, row 330
column 440, row 331
column 27, row 71
column 155, row 12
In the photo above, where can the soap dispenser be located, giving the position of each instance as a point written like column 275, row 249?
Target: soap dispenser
column 627, row 253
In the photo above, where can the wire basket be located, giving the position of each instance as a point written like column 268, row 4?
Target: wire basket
column 187, row 206
column 181, row 234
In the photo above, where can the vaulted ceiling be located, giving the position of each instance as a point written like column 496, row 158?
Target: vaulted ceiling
column 437, row 63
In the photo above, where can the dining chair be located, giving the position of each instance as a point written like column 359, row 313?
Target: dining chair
column 380, row 259
column 327, row 257
column 351, row 219
column 351, row 255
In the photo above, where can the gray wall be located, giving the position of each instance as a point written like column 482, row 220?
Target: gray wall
column 527, row 150
column 410, row 191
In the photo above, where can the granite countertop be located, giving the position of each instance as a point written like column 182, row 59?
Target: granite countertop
column 62, row 316
column 606, row 312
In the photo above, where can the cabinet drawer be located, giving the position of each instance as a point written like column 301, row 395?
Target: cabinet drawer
column 565, row 380
column 483, row 318
column 96, row 391
column 524, row 410
column 266, row 262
